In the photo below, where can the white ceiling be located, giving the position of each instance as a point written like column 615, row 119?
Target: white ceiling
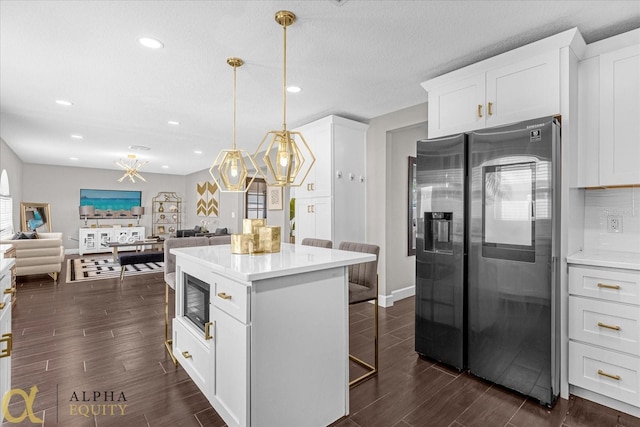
column 359, row 59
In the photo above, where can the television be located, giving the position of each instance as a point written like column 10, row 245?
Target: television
column 110, row 203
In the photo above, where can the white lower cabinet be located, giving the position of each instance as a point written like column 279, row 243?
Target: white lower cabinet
column 270, row 358
column 231, row 369
column 604, row 332
column 5, row 330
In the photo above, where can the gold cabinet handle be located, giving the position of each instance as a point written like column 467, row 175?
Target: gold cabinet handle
column 479, row 110
column 490, row 108
column 223, row 295
column 10, row 291
column 207, row 330
column 604, row 325
column 186, row 355
column 2, row 305
column 604, row 285
column 7, row 338
column 604, row 374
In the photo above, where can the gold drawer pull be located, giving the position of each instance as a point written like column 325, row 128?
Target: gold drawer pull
column 2, row 305
column 604, row 285
column 207, row 331
column 186, row 355
column 11, row 291
column 223, row 295
column 8, row 338
column 490, row 108
column 604, row 325
column 479, row 110
column 604, row 374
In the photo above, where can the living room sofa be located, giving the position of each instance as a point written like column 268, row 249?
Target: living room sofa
column 43, row 255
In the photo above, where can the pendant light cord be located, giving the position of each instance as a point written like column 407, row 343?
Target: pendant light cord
column 284, row 82
column 235, row 67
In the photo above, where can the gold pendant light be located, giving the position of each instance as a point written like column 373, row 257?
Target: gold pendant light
column 229, row 170
column 131, row 166
column 284, row 162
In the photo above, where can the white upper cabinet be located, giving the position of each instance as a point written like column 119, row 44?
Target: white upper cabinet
column 515, row 92
column 518, row 85
column 620, row 117
column 609, row 113
column 457, row 106
column 524, row 90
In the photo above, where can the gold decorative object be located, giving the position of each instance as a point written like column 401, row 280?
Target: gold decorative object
column 284, row 162
column 131, row 166
column 250, row 225
column 229, row 170
column 256, row 237
column 242, row 243
column 269, row 239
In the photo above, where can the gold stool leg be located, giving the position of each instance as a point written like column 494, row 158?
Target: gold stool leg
column 168, row 343
column 372, row 370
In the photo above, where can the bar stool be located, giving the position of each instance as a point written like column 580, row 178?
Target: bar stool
column 320, row 243
column 363, row 287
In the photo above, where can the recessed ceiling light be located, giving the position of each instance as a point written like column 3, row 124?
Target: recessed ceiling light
column 139, row 147
column 165, row 166
column 150, row 43
column 197, row 151
column 173, row 122
column 64, row 102
column 293, row 89
column 75, row 136
column 73, row 158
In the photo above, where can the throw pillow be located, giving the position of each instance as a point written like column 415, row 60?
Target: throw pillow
column 24, row 236
column 220, row 231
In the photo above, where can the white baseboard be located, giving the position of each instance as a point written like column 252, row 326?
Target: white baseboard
column 397, row 295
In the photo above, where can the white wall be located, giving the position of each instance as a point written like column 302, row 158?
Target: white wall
column 13, row 165
column 60, row 187
column 231, row 207
column 401, row 144
column 598, row 205
column 377, row 216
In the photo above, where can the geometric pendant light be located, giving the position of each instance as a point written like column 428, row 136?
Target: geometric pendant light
column 131, row 166
column 283, row 157
column 232, row 168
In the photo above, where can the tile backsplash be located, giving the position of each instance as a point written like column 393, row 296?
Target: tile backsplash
column 599, row 205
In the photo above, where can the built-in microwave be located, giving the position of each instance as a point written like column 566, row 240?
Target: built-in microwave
column 196, row 301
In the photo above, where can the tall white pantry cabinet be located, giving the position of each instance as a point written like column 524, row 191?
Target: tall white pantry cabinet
column 330, row 204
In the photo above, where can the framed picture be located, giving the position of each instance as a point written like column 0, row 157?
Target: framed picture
column 274, row 198
column 35, row 217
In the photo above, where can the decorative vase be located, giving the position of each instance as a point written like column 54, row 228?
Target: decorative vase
column 161, row 208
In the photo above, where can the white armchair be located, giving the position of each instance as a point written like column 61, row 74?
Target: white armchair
column 43, row 255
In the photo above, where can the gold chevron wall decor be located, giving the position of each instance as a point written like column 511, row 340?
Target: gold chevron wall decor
column 206, row 201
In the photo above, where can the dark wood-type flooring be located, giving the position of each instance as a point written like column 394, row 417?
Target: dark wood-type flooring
column 105, row 337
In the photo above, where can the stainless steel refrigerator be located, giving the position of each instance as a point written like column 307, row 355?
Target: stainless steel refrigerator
column 487, row 279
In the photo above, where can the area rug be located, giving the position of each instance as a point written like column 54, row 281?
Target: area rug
column 97, row 268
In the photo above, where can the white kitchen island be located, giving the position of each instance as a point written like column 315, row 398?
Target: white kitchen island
column 275, row 352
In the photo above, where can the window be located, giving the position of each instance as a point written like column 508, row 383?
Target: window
column 6, row 208
column 256, row 200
